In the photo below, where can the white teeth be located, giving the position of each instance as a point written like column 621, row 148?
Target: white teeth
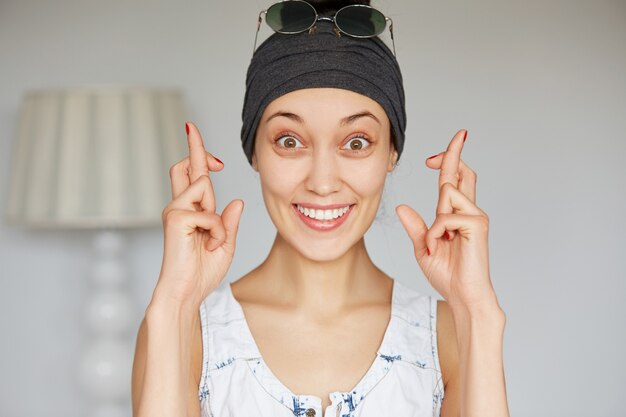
column 323, row 214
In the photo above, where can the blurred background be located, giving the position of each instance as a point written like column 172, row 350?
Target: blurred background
column 539, row 85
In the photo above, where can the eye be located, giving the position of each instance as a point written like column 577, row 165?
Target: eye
column 288, row 141
column 357, row 144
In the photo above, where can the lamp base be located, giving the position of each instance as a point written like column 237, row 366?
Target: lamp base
column 106, row 365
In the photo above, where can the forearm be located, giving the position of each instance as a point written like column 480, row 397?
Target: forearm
column 168, row 358
column 480, row 343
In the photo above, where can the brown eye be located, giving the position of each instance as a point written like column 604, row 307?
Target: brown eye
column 357, row 144
column 289, row 142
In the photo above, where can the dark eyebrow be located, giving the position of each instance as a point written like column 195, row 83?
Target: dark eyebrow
column 352, row 118
column 346, row 120
column 291, row 116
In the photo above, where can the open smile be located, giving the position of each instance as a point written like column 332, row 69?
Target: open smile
column 323, row 219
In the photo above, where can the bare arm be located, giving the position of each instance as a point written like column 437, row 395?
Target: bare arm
column 454, row 255
column 198, row 249
column 481, row 369
column 166, row 369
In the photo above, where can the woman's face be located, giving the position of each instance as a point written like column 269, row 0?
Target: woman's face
column 325, row 152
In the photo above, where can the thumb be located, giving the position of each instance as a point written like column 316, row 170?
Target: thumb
column 414, row 226
column 230, row 218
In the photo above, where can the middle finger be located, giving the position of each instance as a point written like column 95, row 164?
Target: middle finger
column 467, row 177
column 449, row 172
column 179, row 173
column 452, row 156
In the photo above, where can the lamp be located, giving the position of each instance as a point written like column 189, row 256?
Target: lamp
column 97, row 158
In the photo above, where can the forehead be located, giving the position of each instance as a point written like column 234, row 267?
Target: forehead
column 324, row 100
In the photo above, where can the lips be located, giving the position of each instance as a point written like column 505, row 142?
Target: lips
column 323, row 218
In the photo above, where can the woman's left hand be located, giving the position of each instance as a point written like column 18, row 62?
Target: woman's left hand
column 453, row 252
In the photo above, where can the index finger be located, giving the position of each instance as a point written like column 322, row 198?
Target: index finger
column 452, row 156
column 198, row 164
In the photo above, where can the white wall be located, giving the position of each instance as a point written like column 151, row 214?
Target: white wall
column 540, row 86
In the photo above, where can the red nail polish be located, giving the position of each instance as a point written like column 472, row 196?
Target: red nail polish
column 218, row 160
column 446, row 235
column 428, row 251
column 187, row 127
column 464, row 136
column 431, row 157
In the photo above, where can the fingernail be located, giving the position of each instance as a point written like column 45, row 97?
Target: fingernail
column 464, row 136
column 446, row 235
column 218, row 160
column 428, row 251
column 187, row 127
column 431, row 157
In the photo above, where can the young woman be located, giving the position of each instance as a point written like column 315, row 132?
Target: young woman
column 317, row 329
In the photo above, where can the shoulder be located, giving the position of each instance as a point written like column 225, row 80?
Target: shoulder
column 446, row 342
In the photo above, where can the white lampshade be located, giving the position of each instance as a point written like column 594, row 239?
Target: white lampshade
column 95, row 157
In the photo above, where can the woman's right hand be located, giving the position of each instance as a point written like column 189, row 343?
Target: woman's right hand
column 199, row 244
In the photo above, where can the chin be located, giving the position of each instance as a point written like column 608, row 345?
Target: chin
column 320, row 251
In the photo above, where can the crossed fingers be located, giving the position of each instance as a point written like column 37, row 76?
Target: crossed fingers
column 460, row 195
column 198, row 163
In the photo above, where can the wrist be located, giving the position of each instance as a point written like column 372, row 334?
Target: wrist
column 162, row 304
column 488, row 310
column 171, row 296
column 480, row 326
column 488, row 305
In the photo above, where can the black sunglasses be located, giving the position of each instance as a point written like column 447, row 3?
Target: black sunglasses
column 295, row 16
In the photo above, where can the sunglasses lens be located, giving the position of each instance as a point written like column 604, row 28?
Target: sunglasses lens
column 360, row 21
column 290, row 16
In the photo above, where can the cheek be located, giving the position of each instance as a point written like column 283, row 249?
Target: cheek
column 279, row 179
column 367, row 179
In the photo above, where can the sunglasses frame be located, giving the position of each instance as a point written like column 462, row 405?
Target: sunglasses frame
column 326, row 18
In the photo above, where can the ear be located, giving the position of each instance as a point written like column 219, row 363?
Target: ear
column 254, row 166
column 393, row 158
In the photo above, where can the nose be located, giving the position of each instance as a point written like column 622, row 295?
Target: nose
column 324, row 176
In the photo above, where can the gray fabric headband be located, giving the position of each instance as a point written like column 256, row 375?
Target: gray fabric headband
column 285, row 63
